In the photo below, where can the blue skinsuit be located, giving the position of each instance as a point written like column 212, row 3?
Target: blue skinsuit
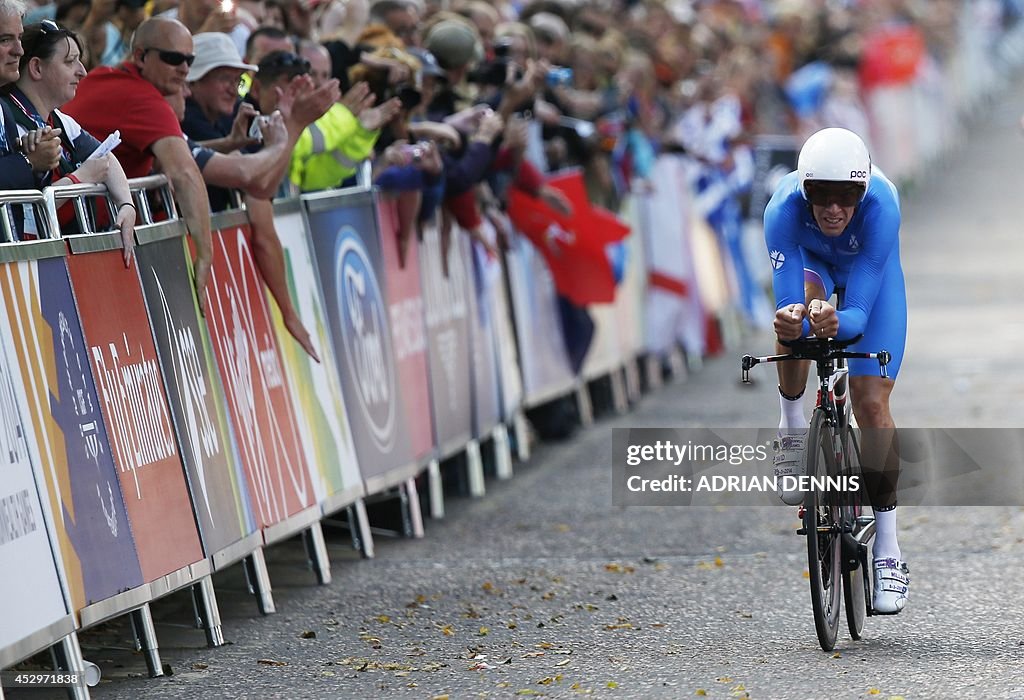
column 864, row 260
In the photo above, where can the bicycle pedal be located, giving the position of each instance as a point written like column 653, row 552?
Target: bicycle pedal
column 802, row 531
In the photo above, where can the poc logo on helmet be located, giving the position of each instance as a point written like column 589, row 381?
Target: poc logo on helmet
column 858, row 174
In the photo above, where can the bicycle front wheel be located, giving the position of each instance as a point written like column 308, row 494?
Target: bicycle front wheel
column 854, row 580
column 823, row 529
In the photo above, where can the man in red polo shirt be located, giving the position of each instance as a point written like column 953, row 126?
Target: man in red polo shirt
column 130, row 98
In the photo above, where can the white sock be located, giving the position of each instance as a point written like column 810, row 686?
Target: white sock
column 886, row 546
column 792, row 414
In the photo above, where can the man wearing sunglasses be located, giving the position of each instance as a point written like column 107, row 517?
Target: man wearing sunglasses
column 130, row 98
column 834, row 224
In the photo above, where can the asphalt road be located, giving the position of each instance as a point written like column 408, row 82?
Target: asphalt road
column 543, row 588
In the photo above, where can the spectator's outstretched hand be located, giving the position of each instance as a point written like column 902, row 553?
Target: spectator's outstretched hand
column 274, row 130
column 126, row 225
column 358, row 98
column 301, row 104
column 298, row 331
column 376, row 117
column 202, row 266
column 490, row 126
column 219, row 21
column 467, row 120
column 94, row 170
column 436, row 131
column 240, row 127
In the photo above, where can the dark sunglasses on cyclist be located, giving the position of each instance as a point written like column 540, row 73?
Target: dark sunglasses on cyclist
column 823, row 194
column 172, row 58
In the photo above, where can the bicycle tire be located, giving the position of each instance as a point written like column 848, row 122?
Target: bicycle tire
column 824, row 547
column 854, row 582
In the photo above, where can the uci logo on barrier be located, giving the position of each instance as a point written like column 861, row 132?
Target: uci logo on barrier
column 367, row 338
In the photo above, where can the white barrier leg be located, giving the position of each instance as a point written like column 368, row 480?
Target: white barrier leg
column 502, row 452
column 586, row 408
column 475, row 469
column 522, row 436
column 415, row 514
column 652, row 368
column 436, row 489
column 259, row 581
column 145, row 639
column 677, row 363
column 632, row 381
column 619, row 400
column 204, row 598
column 316, row 549
column 359, row 526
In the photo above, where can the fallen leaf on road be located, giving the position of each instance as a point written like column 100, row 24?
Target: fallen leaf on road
column 271, row 662
column 200, row 666
column 806, row 574
column 837, row 655
column 484, row 631
column 549, row 680
column 481, row 666
column 724, row 679
column 612, row 684
column 533, row 654
column 527, row 691
column 563, row 663
column 874, row 691
column 619, row 568
column 701, row 692
column 382, row 619
column 719, row 563
column 308, row 634
column 448, row 630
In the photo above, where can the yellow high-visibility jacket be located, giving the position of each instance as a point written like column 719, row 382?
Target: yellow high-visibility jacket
column 330, row 150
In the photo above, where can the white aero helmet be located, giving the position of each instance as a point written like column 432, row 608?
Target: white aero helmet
column 834, row 155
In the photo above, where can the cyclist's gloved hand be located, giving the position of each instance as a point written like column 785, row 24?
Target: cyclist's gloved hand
column 823, row 319
column 789, row 322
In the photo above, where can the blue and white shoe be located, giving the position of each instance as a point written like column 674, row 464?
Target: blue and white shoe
column 892, row 586
column 789, row 461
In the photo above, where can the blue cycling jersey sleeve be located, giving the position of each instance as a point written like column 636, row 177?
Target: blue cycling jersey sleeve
column 881, row 227
column 856, row 259
column 782, row 226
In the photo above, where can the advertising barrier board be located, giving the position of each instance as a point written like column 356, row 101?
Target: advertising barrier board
column 255, row 385
column 315, row 386
column 53, row 382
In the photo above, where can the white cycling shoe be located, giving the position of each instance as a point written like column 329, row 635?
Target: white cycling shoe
column 892, row 586
column 789, row 461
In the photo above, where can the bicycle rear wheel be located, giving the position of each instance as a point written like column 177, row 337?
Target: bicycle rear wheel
column 823, row 529
column 854, row 582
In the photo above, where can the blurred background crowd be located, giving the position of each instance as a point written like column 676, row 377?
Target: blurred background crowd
column 463, row 106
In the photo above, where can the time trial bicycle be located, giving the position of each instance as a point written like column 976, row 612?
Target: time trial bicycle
column 837, row 522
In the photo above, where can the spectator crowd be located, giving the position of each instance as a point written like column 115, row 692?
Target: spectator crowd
column 446, row 105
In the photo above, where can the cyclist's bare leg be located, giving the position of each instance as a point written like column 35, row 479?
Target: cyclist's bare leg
column 879, row 456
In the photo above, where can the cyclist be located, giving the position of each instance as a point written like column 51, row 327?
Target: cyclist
column 834, row 223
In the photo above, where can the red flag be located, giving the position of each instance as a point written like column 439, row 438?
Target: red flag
column 573, row 246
